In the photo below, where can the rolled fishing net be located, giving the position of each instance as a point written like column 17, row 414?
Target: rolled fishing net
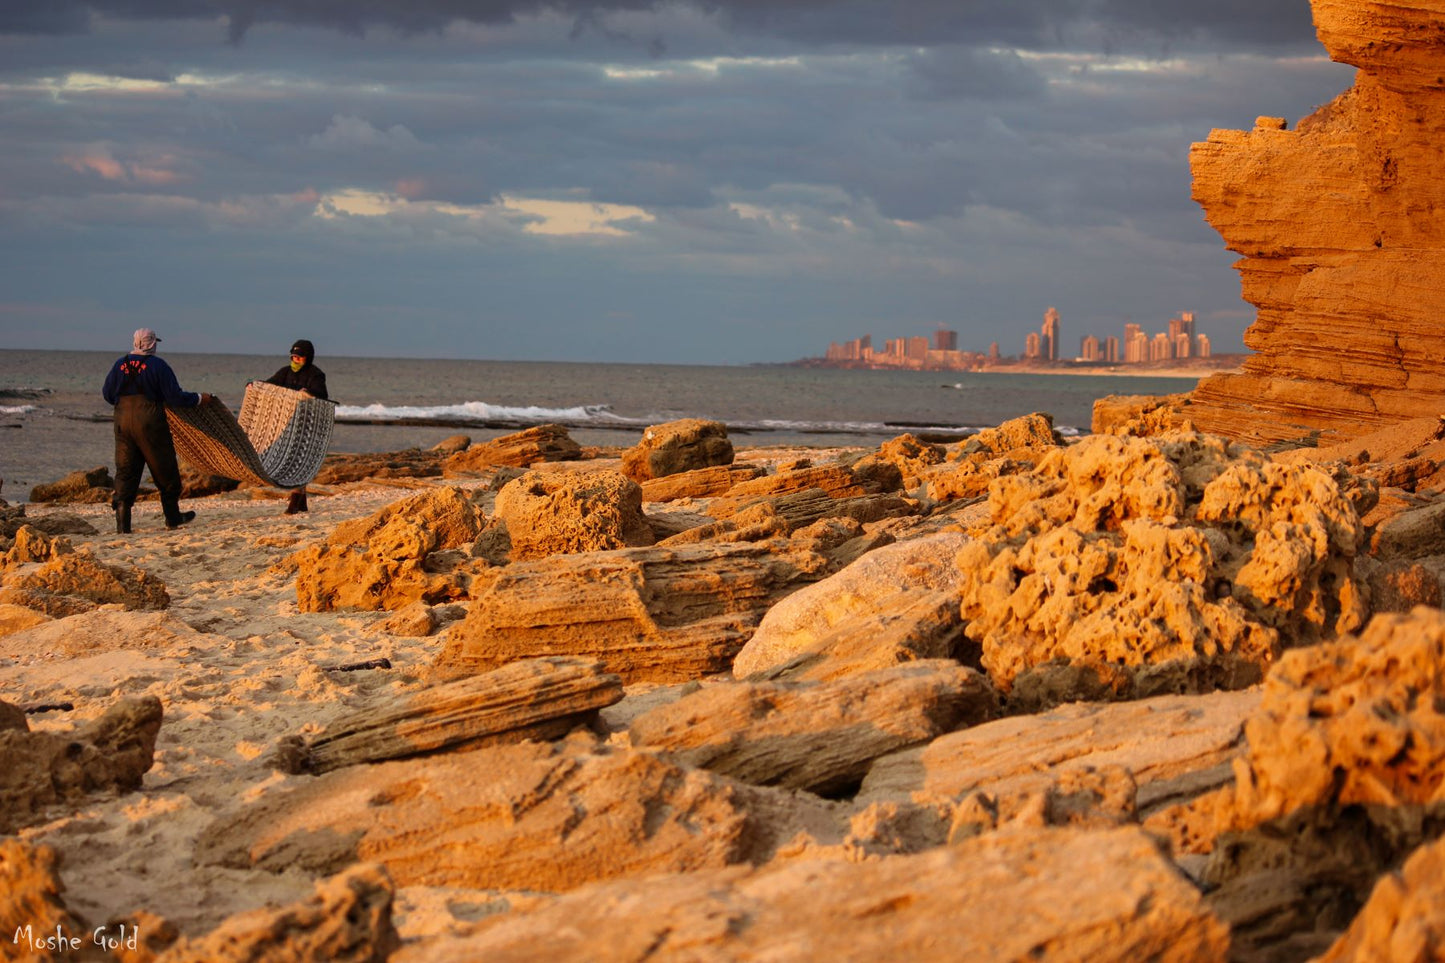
column 280, row 439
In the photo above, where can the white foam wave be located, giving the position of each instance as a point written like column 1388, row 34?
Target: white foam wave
column 479, row 411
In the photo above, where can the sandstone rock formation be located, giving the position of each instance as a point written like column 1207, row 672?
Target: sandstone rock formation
column 414, row 550
column 1013, row 896
column 521, row 449
column 1340, row 781
column 648, row 614
column 1341, row 249
column 92, row 485
column 815, row 736
column 969, row 467
column 32, row 545
column 42, row 769
column 73, row 582
column 1405, row 916
column 548, row 513
column 884, row 581
column 528, row 816
column 1124, row 567
column 678, row 446
column 32, row 904
column 1171, row 751
column 347, row 920
column 341, row 467
column 537, row 699
column 698, row 482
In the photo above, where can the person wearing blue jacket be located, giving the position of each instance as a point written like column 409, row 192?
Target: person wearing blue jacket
column 140, row 385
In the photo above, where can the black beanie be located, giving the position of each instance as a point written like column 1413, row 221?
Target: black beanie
column 305, row 349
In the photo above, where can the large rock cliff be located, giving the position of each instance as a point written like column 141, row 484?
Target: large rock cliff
column 1343, row 246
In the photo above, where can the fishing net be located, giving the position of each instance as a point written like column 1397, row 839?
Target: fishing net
column 280, row 440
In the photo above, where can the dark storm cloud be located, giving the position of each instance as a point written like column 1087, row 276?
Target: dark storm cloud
column 1031, row 23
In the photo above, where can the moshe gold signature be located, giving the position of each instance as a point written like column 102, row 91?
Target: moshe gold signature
column 60, row 941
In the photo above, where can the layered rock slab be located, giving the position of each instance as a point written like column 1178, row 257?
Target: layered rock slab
column 678, row 446
column 815, row 736
column 529, row 816
column 648, row 614
column 1342, row 245
column 347, row 920
column 533, row 699
column 1172, row 749
column 1012, row 896
column 520, row 449
column 887, row 579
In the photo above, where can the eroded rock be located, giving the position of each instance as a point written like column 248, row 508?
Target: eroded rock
column 74, row 582
column 520, row 449
column 885, row 580
column 1342, row 777
column 416, row 549
column 548, row 513
column 648, row 614
column 528, row 816
column 42, row 769
column 815, row 736
column 347, row 920
column 941, row 906
column 1123, row 567
column 678, row 446
column 534, row 699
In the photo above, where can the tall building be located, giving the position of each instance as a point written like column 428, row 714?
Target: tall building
column 916, row 348
column 1049, row 335
column 1089, row 348
column 1031, row 345
column 993, row 351
column 945, row 340
column 1111, row 349
column 1160, row 347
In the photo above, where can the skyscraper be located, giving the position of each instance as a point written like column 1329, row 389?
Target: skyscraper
column 1049, row 335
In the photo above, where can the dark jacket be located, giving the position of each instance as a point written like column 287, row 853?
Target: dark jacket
column 145, row 374
column 309, row 378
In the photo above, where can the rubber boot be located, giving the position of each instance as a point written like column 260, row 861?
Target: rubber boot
column 175, row 518
column 296, row 503
column 122, row 518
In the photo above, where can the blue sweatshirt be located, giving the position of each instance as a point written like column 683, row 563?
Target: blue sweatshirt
column 145, row 374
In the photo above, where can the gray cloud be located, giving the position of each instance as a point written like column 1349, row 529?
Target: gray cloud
column 1031, row 23
column 807, row 170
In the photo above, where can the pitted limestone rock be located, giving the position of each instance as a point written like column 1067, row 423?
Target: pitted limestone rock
column 1127, row 566
column 410, row 550
column 548, row 513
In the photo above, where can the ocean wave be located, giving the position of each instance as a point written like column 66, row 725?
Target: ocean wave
column 482, row 414
column 478, row 413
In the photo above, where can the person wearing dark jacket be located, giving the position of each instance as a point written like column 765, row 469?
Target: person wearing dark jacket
column 140, row 385
column 301, row 375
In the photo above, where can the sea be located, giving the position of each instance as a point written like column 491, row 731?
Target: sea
column 53, row 420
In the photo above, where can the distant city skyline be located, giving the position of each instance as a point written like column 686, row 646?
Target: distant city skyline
column 1178, row 340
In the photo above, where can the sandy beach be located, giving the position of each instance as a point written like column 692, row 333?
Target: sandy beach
column 827, row 697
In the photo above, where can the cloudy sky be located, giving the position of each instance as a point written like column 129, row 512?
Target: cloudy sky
column 720, row 181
